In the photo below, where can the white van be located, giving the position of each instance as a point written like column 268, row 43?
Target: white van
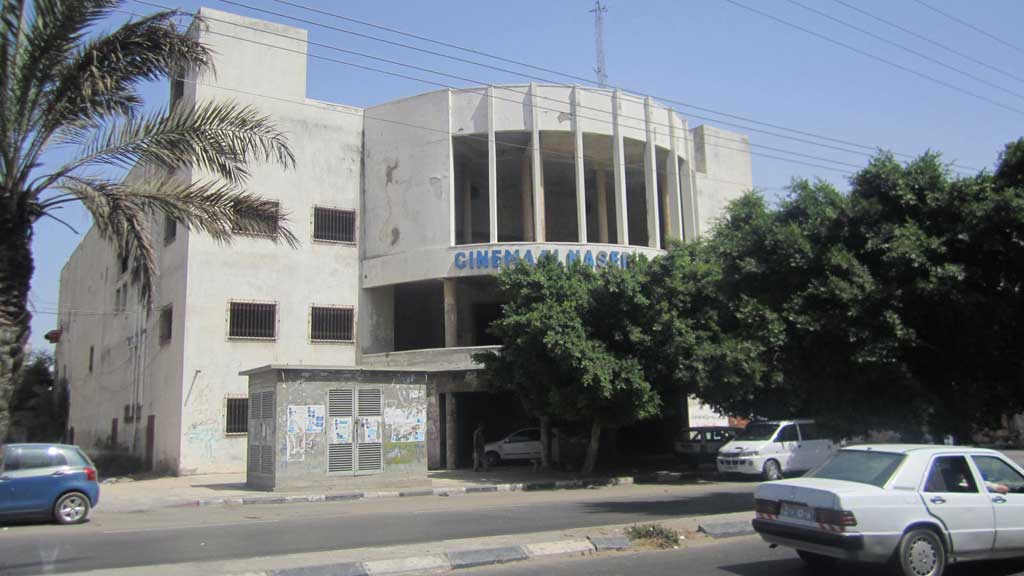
column 773, row 449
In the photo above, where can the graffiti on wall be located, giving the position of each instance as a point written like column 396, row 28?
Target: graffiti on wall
column 305, row 427
column 204, row 423
column 406, row 415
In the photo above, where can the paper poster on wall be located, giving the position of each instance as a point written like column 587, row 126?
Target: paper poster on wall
column 408, row 430
column 341, row 430
column 371, row 430
column 296, row 419
column 315, row 419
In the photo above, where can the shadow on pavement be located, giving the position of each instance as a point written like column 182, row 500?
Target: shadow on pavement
column 796, row 567
column 699, row 505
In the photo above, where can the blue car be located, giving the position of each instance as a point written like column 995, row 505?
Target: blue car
column 54, row 480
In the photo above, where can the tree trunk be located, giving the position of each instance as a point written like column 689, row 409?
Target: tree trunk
column 545, row 442
column 15, row 278
column 595, row 441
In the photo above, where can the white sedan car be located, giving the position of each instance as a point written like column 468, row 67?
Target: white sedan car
column 919, row 507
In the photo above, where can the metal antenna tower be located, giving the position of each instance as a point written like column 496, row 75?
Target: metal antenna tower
column 599, row 11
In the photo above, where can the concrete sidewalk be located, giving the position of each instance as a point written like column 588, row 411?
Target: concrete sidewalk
column 230, row 489
column 441, row 556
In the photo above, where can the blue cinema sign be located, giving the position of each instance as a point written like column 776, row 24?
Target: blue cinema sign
column 495, row 258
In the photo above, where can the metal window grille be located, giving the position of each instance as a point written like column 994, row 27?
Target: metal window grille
column 331, row 324
column 170, row 230
column 252, row 320
column 339, row 402
column 339, row 458
column 166, row 323
column 267, row 460
column 237, row 416
column 334, row 225
column 267, row 405
column 266, row 227
column 369, row 402
column 370, row 457
column 256, row 406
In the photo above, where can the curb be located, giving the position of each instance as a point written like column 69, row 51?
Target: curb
column 455, row 560
column 350, row 495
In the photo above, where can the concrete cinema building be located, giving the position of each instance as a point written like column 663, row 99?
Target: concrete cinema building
column 405, row 210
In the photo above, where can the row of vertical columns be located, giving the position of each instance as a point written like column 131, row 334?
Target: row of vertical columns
column 675, row 209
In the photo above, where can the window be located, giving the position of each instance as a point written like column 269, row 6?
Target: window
column 331, row 324
column 256, row 227
column 810, row 432
column 872, row 467
column 170, row 230
column 177, row 90
column 124, row 263
column 950, row 474
column 334, row 225
column 525, row 436
column 91, row 350
column 33, row 457
column 995, row 471
column 236, row 416
column 788, row 434
column 759, row 431
column 166, row 323
column 254, row 320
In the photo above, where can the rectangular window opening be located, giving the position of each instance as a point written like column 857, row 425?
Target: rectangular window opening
column 170, row 230
column 236, row 416
column 558, row 155
column 661, row 156
column 515, row 187
column 472, row 210
column 252, row 320
column 166, row 324
column 636, row 191
column 332, row 324
column 334, row 225
column 599, row 175
column 251, row 225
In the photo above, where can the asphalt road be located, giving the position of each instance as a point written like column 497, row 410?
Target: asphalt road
column 221, row 533
column 743, row 556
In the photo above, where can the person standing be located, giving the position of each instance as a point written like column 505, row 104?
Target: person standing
column 479, row 441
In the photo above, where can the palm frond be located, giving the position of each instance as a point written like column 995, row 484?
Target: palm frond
column 222, row 138
column 102, row 77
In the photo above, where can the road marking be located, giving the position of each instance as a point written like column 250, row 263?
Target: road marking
column 182, row 527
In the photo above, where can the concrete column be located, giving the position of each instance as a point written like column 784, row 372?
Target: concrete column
column 663, row 194
column 538, row 168
column 451, row 177
column 581, row 192
column 451, row 315
column 688, row 189
column 602, row 207
column 467, row 205
column 527, row 200
column 619, row 161
column 451, row 426
column 674, row 218
column 492, row 170
column 651, row 179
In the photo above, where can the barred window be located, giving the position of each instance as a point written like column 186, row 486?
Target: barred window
column 252, row 320
column 166, row 323
column 268, row 228
column 170, row 230
column 334, row 225
column 331, row 324
column 236, row 416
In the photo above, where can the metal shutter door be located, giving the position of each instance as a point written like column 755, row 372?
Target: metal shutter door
column 340, row 412
column 370, row 450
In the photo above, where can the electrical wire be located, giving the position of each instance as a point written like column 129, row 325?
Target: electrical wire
column 971, row 26
column 931, row 41
column 907, row 49
column 875, row 57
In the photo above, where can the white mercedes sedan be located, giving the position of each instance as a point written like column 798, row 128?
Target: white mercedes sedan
column 919, row 507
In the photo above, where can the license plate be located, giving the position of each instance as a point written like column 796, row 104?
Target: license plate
column 797, row 511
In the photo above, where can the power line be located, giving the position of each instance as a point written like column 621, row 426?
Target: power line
column 908, row 49
column 442, row 85
column 971, row 26
column 875, row 57
column 548, row 80
column 931, row 41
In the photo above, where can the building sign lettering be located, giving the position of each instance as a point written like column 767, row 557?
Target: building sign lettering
column 493, row 259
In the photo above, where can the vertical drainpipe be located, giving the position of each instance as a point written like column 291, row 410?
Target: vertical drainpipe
column 619, row 161
column 492, row 170
column 538, row 169
column 675, row 207
column 651, row 179
column 581, row 192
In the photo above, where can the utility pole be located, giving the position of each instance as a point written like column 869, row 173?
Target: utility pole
column 602, row 72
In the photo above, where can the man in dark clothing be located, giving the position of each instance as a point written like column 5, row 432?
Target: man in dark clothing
column 478, row 448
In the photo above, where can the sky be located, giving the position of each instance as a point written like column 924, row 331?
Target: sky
column 707, row 58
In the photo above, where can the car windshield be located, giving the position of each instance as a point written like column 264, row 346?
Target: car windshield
column 762, row 431
column 866, row 467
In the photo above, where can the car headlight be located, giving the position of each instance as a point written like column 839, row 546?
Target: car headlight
column 748, row 453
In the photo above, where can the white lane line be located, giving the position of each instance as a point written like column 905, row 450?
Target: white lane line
column 188, row 526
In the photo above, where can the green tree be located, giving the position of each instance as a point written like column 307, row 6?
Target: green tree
column 39, row 405
column 62, row 85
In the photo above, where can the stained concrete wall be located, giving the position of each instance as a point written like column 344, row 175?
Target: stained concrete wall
column 721, row 162
column 300, row 458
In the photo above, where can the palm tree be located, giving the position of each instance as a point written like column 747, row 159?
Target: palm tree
column 62, row 86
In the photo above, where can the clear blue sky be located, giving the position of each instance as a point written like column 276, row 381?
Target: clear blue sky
column 707, row 53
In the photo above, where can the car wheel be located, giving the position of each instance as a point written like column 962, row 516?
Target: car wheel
column 817, row 561
column 493, row 459
column 921, row 553
column 771, row 470
column 71, row 508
